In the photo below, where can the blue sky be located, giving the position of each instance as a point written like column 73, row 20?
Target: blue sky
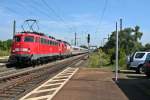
column 81, row 16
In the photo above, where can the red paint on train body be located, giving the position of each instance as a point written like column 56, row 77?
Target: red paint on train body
column 31, row 46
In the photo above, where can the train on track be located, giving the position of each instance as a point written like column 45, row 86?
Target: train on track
column 34, row 48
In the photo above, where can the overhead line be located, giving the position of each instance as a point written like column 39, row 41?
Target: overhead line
column 45, row 3
column 58, row 16
column 103, row 12
column 102, row 15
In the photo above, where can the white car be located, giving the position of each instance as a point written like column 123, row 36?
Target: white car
column 137, row 60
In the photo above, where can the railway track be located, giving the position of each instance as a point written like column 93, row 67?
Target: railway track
column 16, row 85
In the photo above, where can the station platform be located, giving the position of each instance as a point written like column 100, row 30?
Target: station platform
column 91, row 84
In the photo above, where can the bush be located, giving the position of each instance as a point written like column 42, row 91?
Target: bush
column 122, row 59
column 98, row 59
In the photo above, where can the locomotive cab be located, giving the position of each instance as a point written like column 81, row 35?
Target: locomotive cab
column 22, row 48
column 22, row 44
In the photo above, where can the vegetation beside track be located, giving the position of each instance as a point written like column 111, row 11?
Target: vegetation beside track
column 5, row 47
column 99, row 59
column 129, row 42
column 4, row 53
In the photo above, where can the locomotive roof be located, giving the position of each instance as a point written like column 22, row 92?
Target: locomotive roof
column 64, row 42
column 36, row 33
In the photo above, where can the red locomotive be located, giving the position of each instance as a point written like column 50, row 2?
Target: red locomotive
column 33, row 47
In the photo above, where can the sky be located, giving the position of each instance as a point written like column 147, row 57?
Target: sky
column 62, row 18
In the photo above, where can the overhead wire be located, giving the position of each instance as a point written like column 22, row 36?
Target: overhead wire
column 101, row 17
column 50, row 8
column 34, row 6
column 103, row 12
column 54, row 12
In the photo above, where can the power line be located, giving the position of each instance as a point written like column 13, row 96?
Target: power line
column 50, row 8
column 103, row 12
column 102, row 15
column 58, row 16
column 38, row 10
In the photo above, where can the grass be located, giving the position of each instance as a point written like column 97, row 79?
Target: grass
column 4, row 53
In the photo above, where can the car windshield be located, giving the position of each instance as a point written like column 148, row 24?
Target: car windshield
column 148, row 57
column 29, row 39
column 17, row 38
column 139, row 55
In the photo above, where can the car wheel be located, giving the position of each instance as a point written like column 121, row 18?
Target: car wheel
column 140, row 70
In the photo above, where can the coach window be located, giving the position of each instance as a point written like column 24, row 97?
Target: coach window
column 45, row 41
column 42, row 41
column 48, row 42
column 52, row 43
column 29, row 39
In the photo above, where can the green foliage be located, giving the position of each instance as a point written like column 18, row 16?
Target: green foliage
column 4, row 53
column 128, row 43
column 146, row 47
column 94, row 60
column 128, row 40
column 5, row 47
column 98, row 59
column 111, row 53
column 122, row 59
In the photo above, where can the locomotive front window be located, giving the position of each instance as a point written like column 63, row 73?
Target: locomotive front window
column 29, row 39
column 17, row 38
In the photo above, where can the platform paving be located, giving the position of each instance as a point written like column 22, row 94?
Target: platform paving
column 91, row 84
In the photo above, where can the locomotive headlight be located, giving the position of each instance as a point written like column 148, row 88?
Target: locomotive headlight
column 16, row 49
column 22, row 49
column 13, row 50
column 25, row 49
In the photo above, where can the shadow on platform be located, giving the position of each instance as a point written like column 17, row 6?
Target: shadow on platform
column 135, row 89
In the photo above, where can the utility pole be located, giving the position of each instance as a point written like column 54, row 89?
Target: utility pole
column 120, row 31
column 88, row 41
column 120, row 24
column 108, row 37
column 75, row 39
column 14, row 28
column 116, row 71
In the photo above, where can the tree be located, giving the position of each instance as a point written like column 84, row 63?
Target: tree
column 5, row 45
column 146, row 47
column 137, row 34
column 128, row 42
